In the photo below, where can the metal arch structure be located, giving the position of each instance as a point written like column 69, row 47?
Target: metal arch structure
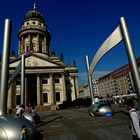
column 14, row 75
column 120, row 33
column 19, row 68
column 10, row 126
column 90, row 80
column 108, row 44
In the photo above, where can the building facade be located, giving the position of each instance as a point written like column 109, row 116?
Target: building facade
column 84, row 91
column 106, row 85
column 48, row 81
column 118, row 82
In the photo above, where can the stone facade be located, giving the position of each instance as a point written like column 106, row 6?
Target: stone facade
column 48, row 81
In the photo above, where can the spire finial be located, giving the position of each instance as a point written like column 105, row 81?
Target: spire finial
column 34, row 6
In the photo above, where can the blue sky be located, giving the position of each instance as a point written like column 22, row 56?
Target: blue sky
column 78, row 28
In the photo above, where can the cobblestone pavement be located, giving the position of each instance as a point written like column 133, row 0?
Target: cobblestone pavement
column 77, row 124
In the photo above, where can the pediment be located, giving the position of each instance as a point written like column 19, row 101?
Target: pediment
column 34, row 61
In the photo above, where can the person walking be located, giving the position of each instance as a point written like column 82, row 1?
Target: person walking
column 20, row 111
column 23, row 135
column 134, row 119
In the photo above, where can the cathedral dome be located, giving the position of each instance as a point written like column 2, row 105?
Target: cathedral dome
column 34, row 14
column 33, row 20
column 33, row 35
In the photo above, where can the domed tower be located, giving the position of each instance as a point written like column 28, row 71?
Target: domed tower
column 33, row 35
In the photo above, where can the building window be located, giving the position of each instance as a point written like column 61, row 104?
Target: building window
column 57, row 96
column 18, row 82
column 56, row 80
column 26, row 49
column 18, row 100
column 45, row 97
column 45, row 81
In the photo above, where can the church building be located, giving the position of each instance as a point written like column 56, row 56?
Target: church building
column 48, row 81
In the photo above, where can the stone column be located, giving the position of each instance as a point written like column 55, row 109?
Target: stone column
column 39, row 95
column 26, row 97
column 63, row 87
column 52, row 89
column 76, row 86
column 29, row 39
column 42, row 44
column 45, row 45
column 11, row 103
column 19, row 47
column 73, row 95
column 38, row 43
column 22, row 45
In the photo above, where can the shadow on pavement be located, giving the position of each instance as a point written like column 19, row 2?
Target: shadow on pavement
column 38, row 135
column 122, row 111
column 45, row 122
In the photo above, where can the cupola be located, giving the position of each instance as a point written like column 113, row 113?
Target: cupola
column 33, row 35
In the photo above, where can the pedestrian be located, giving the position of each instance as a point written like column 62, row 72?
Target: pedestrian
column 23, row 133
column 134, row 119
column 120, row 102
column 20, row 111
column 33, row 111
column 35, row 115
column 28, row 108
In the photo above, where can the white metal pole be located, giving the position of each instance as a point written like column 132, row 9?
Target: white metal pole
column 5, row 67
column 131, row 56
column 23, row 79
column 90, row 80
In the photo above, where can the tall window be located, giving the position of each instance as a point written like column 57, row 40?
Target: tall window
column 45, row 97
column 18, row 99
column 57, row 96
column 44, row 81
column 27, row 47
column 56, row 80
column 18, row 82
